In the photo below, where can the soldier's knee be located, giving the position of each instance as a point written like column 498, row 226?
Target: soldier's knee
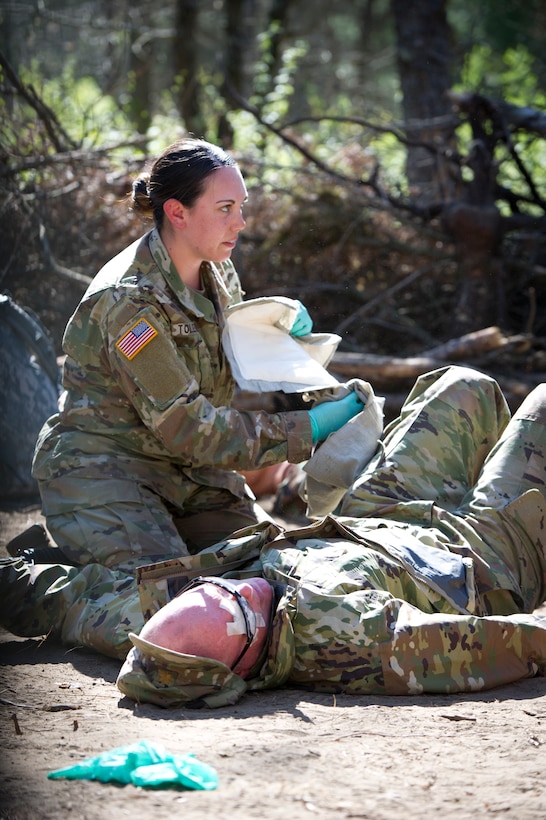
column 457, row 385
column 470, row 390
column 534, row 406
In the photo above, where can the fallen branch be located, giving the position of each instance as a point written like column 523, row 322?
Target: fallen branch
column 373, row 368
column 381, row 297
column 56, row 267
column 471, row 344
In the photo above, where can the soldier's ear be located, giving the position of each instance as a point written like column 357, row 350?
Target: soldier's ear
column 175, row 213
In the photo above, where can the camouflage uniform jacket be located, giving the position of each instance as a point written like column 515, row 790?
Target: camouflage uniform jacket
column 358, row 610
column 358, row 615
column 148, row 388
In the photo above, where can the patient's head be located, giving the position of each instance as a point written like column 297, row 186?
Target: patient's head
column 226, row 620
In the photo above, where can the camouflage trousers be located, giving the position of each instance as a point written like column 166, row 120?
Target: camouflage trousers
column 91, row 606
column 123, row 524
column 455, row 463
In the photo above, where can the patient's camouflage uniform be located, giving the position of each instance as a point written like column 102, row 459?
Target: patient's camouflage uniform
column 420, row 585
column 125, row 469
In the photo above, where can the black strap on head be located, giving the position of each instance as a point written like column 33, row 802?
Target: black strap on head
column 249, row 615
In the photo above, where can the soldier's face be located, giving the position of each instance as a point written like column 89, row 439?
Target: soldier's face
column 212, row 225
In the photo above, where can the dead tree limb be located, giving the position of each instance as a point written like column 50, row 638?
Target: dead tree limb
column 384, row 369
column 58, row 136
column 364, row 309
column 469, row 345
column 56, row 267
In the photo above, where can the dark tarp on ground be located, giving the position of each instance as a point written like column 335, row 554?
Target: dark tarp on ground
column 29, row 390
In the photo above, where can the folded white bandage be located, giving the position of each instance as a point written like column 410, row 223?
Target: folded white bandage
column 265, row 357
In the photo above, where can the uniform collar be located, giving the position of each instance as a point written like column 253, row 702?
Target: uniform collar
column 198, row 303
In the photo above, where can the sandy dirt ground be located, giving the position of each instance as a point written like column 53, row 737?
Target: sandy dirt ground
column 280, row 755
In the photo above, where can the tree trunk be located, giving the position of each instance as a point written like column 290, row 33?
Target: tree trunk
column 276, row 31
column 239, row 52
column 424, row 57
column 141, row 60
column 475, row 224
column 186, row 64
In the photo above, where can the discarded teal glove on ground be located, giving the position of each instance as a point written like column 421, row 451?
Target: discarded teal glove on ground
column 142, row 764
column 303, row 324
column 329, row 416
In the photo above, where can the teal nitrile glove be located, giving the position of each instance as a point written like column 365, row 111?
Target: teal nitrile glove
column 303, row 324
column 329, row 416
column 143, row 764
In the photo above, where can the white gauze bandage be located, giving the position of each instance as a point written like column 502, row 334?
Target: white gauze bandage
column 238, row 625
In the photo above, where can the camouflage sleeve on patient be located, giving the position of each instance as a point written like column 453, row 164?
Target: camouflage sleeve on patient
column 366, row 643
column 345, row 625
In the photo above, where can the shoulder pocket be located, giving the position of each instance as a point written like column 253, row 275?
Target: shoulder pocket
column 145, row 351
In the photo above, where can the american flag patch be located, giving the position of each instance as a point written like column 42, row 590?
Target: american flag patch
column 136, row 338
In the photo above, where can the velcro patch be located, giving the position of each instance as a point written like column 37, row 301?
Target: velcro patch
column 136, row 338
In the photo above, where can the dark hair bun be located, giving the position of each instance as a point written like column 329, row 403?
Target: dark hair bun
column 140, row 198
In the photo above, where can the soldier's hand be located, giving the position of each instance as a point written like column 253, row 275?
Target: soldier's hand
column 329, row 416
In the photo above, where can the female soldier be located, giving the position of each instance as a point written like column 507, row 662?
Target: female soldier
column 142, row 462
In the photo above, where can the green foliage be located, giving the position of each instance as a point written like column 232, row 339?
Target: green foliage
column 507, row 76
column 391, row 156
column 273, row 87
column 166, row 126
column 89, row 117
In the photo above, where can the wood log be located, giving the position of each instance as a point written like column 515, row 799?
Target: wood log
column 374, row 368
column 471, row 344
column 381, row 369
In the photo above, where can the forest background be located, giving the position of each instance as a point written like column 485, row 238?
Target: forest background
column 394, row 152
